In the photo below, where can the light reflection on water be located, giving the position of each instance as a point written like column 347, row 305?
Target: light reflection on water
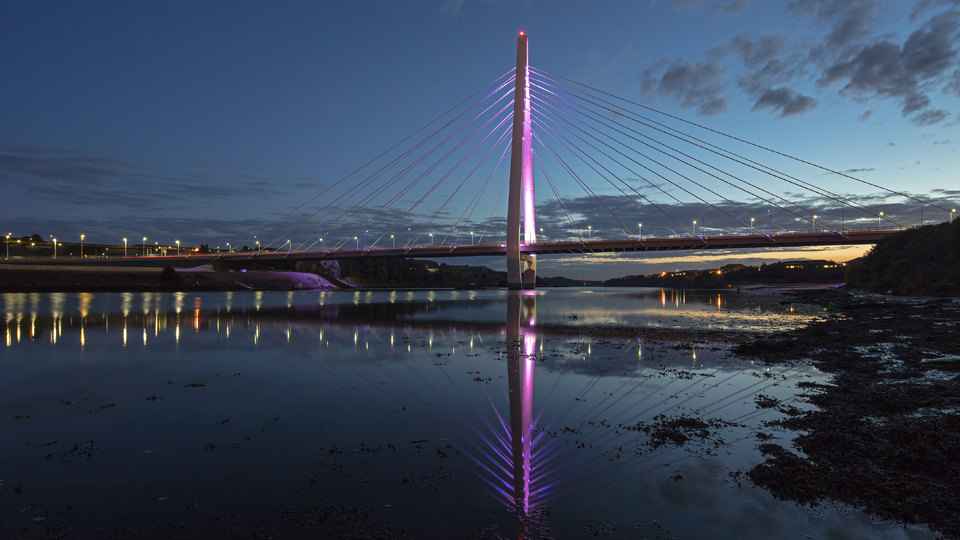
column 485, row 413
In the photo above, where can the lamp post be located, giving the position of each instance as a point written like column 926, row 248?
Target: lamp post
column 124, row 247
column 953, row 214
column 694, row 227
column 394, row 240
column 81, row 245
column 228, row 247
column 358, row 242
column 542, row 237
column 878, row 219
column 364, row 240
column 590, row 232
column 144, row 246
column 290, row 246
column 54, row 248
column 640, row 228
column 8, row 245
column 751, row 225
column 814, row 223
column 178, row 248
column 431, row 239
column 258, row 246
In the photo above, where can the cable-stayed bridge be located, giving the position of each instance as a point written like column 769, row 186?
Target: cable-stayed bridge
column 620, row 177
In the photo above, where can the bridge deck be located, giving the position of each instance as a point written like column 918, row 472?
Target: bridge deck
column 602, row 245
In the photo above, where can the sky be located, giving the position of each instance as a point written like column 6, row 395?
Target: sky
column 212, row 122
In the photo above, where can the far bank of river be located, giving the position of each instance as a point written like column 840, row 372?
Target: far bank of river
column 13, row 279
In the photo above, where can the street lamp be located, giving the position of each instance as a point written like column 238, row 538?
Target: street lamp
column 178, row 247
column 694, row 227
column 144, row 246
column 542, row 237
column 258, row 246
column 289, row 247
column 228, row 247
column 81, row 245
column 640, row 227
column 751, row 225
column 431, row 239
column 54, row 248
column 358, row 242
column 878, row 219
column 364, row 240
column 394, row 240
column 814, row 223
column 590, row 231
column 8, row 245
column 124, row 247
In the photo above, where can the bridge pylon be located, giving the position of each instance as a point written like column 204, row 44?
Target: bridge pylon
column 521, row 267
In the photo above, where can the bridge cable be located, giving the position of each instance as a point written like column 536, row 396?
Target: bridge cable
column 379, row 173
column 407, row 188
column 683, row 226
column 368, row 198
column 742, row 141
column 408, row 137
column 597, row 120
column 574, row 175
column 779, row 175
column 654, row 172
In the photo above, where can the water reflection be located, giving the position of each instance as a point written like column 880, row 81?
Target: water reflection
column 541, row 408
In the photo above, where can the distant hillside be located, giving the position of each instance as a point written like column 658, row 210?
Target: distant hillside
column 924, row 260
column 781, row 273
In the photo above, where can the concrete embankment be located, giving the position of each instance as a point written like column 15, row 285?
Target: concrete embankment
column 67, row 279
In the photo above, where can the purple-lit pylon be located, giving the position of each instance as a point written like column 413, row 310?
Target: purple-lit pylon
column 521, row 267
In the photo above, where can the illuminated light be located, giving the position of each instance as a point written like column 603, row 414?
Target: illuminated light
column 82, row 338
column 144, row 336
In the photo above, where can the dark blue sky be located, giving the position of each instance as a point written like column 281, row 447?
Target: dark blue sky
column 204, row 120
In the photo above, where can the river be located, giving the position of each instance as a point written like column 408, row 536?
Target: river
column 557, row 413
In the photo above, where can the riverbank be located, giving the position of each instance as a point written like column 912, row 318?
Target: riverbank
column 153, row 279
column 885, row 436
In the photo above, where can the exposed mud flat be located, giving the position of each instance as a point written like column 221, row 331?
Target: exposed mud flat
column 885, row 436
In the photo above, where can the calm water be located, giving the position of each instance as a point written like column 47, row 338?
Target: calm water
column 483, row 414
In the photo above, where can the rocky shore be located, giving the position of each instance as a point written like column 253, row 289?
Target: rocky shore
column 885, row 436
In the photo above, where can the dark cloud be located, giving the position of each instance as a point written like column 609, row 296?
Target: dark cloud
column 692, row 84
column 930, row 117
column 786, row 101
column 854, row 171
column 866, row 114
column 927, row 5
column 887, row 69
column 851, row 55
column 847, row 20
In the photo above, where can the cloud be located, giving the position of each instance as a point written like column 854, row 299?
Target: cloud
column 785, row 100
column 887, row 69
column 847, row 20
column 866, row 114
column 693, row 84
column 849, row 49
column 853, row 171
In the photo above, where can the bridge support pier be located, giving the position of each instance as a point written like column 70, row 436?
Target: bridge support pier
column 521, row 267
